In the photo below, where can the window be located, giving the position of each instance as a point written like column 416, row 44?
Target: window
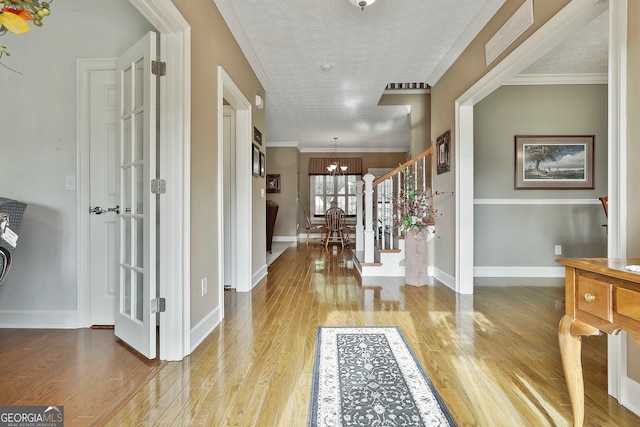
column 327, row 188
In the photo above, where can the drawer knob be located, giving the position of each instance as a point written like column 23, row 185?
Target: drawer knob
column 589, row 297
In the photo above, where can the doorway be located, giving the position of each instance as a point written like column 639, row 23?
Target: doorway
column 174, row 276
column 241, row 233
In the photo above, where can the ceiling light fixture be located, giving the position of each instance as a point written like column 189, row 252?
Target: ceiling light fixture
column 335, row 167
column 362, row 3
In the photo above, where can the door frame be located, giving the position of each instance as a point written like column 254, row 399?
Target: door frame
column 175, row 163
column 572, row 16
column 229, row 91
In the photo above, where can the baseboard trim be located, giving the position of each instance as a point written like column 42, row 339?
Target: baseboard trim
column 39, row 319
column 629, row 395
column 285, row 239
column 205, row 327
column 447, row 279
column 497, row 271
column 259, row 275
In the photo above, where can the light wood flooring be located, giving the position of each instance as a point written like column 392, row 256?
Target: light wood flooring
column 493, row 356
column 88, row 371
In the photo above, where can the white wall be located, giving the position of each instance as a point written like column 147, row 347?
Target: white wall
column 38, row 150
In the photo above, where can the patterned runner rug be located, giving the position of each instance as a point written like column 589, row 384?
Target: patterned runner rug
column 368, row 376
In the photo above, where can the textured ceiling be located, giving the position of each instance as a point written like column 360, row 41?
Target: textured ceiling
column 287, row 42
column 586, row 52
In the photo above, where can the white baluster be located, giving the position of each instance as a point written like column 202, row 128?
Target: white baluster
column 359, row 226
column 368, row 226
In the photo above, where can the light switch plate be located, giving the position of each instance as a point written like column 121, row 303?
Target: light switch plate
column 70, row 182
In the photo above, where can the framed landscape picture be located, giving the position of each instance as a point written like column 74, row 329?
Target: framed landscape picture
column 554, row 162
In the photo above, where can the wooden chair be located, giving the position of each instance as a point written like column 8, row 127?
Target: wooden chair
column 312, row 228
column 605, row 205
column 334, row 219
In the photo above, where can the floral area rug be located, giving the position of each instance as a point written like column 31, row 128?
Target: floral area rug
column 368, row 376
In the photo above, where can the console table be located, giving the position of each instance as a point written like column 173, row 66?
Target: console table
column 601, row 296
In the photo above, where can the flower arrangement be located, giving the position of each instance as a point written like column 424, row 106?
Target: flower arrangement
column 16, row 15
column 414, row 209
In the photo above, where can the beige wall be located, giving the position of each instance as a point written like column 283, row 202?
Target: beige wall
column 286, row 162
column 465, row 72
column 633, row 154
column 420, row 118
column 212, row 44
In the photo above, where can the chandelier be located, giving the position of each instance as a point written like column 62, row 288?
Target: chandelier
column 362, row 3
column 335, row 167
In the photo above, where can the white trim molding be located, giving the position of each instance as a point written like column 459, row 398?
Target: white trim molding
column 204, row 327
column 259, row 275
column 285, row 238
column 558, row 79
column 509, row 271
column 536, row 202
column 39, row 319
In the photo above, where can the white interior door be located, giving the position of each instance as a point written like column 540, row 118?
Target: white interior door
column 104, row 164
column 135, row 324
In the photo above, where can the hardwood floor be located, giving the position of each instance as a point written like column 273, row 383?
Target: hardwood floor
column 88, row 371
column 492, row 363
column 493, row 356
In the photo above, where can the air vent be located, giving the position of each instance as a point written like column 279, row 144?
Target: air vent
column 407, row 86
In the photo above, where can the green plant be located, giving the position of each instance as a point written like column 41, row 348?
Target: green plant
column 413, row 206
column 16, row 15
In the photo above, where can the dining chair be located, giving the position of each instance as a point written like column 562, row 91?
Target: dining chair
column 311, row 227
column 334, row 220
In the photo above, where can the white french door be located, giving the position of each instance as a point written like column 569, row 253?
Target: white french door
column 135, row 324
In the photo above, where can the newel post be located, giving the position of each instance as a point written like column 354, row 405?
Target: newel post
column 359, row 224
column 368, row 214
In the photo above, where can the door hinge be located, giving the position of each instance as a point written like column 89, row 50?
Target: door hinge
column 158, row 305
column 158, row 186
column 158, row 68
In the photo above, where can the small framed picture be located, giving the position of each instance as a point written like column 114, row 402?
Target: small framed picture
column 257, row 136
column 273, row 183
column 443, row 150
column 255, row 160
column 554, row 162
column 263, row 165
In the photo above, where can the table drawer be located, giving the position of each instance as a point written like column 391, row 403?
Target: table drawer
column 594, row 296
column 628, row 303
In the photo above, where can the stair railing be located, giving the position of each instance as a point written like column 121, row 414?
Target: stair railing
column 380, row 196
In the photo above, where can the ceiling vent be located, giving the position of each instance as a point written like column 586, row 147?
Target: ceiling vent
column 407, row 86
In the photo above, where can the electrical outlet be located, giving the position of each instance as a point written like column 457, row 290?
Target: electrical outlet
column 558, row 249
column 204, row 286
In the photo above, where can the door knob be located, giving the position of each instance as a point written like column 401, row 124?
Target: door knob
column 97, row 210
column 116, row 209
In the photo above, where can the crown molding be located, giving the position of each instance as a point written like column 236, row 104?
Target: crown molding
column 233, row 22
column 284, row 144
column 482, row 18
column 356, row 150
column 558, row 79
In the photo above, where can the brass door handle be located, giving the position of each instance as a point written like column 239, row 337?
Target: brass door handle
column 589, row 297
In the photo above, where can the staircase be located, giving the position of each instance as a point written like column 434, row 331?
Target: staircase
column 380, row 248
